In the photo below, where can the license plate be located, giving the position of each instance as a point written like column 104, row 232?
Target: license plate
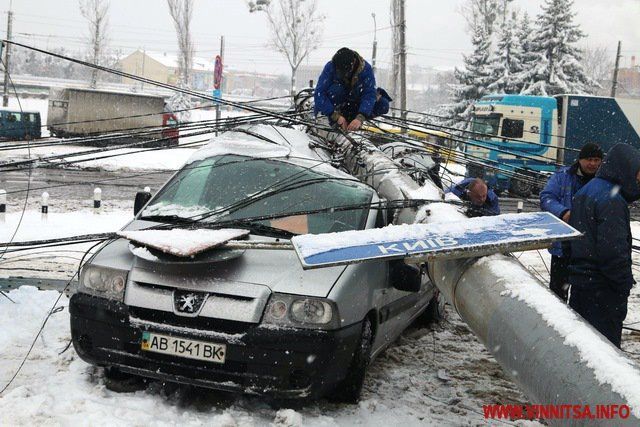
column 182, row 347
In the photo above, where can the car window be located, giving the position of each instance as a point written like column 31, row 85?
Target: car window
column 259, row 187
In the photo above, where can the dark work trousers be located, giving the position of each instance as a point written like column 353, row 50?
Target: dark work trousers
column 603, row 307
column 559, row 273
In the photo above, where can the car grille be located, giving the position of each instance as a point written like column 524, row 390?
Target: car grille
column 203, row 323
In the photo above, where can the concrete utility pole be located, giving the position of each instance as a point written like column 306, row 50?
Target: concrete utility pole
column 614, row 81
column 393, row 77
column 403, row 64
column 375, row 43
column 7, row 56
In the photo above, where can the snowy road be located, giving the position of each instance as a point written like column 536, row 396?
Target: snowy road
column 429, row 377
column 439, row 376
column 75, row 186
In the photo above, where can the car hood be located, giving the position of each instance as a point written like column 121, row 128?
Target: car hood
column 279, row 270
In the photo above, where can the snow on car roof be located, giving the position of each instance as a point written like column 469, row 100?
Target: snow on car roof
column 269, row 142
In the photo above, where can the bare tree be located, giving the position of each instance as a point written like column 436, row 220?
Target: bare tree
column 181, row 12
column 484, row 13
column 96, row 13
column 296, row 29
column 598, row 65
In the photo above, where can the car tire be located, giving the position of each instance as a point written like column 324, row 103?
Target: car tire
column 435, row 311
column 349, row 389
column 121, row 382
column 475, row 171
column 520, row 187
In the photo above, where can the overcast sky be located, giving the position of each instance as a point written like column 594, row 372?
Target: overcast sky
column 436, row 33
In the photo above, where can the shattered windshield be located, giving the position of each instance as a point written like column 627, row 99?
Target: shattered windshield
column 485, row 126
column 230, row 187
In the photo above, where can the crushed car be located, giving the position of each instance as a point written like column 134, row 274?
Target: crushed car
column 247, row 318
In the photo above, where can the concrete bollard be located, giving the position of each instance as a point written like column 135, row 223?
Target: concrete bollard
column 45, row 206
column 97, row 200
column 3, row 205
column 520, row 206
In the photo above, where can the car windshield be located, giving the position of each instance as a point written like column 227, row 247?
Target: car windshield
column 230, row 187
column 483, row 126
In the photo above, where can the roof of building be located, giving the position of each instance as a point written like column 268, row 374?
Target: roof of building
column 171, row 60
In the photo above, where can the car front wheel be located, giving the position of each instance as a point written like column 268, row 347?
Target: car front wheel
column 348, row 391
column 122, row 382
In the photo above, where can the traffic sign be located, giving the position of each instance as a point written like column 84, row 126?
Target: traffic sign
column 423, row 242
column 217, row 73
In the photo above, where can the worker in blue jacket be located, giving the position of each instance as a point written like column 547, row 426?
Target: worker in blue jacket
column 483, row 201
column 600, row 261
column 346, row 91
column 556, row 198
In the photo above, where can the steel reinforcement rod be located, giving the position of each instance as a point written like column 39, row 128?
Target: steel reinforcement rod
column 557, row 359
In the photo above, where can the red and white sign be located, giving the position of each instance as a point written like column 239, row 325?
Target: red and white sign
column 217, row 73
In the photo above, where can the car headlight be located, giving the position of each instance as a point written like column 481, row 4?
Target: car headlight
column 103, row 281
column 299, row 311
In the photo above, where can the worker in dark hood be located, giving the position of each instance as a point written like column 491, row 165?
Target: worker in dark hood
column 556, row 198
column 600, row 265
column 346, row 91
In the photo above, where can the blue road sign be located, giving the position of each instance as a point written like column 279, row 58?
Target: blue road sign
column 423, row 242
column 216, row 93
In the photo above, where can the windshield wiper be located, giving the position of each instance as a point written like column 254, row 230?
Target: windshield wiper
column 255, row 227
column 169, row 219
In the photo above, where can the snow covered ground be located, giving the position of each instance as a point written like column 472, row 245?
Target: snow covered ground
column 430, row 376
column 58, row 262
column 438, row 377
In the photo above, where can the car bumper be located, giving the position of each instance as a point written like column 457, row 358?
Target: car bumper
column 279, row 362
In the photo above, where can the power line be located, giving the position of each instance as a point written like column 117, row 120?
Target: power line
column 425, row 114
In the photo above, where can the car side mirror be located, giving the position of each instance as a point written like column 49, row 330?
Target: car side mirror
column 405, row 277
column 142, row 197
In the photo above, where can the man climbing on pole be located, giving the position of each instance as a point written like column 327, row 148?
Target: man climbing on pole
column 346, row 91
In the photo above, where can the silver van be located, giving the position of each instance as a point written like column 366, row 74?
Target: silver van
column 249, row 320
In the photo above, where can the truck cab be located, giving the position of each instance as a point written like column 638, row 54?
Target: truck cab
column 513, row 133
column 515, row 138
column 16, row 124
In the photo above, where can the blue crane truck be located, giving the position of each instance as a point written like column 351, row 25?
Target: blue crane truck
column 518, row 138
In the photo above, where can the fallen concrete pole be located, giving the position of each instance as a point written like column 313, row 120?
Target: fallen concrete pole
column 550, row 352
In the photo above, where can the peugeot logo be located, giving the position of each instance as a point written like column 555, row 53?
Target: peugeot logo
column 188, row 303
